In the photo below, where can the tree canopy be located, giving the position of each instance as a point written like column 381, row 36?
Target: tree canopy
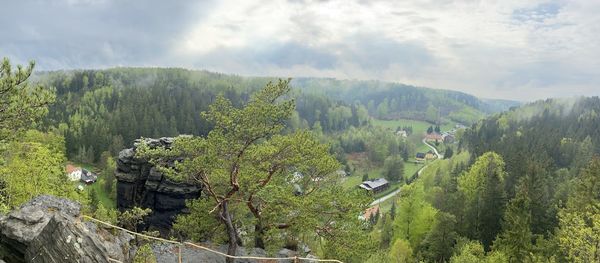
column 252, row 174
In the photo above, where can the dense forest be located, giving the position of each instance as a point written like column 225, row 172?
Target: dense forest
column 517, row 186
column 105, row 110
column 523, row 188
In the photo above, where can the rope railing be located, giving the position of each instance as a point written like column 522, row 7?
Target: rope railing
column 180, row 244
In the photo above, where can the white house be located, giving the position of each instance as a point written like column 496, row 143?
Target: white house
column 74, row 173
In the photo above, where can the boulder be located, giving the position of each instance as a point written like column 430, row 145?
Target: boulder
column 49, row 229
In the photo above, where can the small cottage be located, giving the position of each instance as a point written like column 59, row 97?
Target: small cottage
column 420, row 157
column 433, row 137
column 88, row 177
column 376, row 185
column 430, row 155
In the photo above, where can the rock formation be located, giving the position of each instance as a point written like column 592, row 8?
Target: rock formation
column 49, row 229
column 141, row 184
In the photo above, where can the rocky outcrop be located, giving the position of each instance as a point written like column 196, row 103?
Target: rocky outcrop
column 141, row 184
column 49, row 229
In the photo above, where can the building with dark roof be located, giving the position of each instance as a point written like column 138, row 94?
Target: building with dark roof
column 375, row 185
column 420, row 157
column 88, row 177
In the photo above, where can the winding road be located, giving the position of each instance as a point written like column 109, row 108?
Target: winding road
column 392, row 194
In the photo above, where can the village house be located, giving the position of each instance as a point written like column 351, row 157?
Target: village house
column 420, row 157
column 402, row 133
column 79, row 174
column 430, row 155
column 370, row 212
column 74, row 173
column 448, row 138
column 375, row 185
column 88, row 177
column 433, row 137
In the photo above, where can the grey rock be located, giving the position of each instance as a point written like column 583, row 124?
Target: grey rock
column 169, row 253
column 140, row 184
column 48, row 229
column 286, row 253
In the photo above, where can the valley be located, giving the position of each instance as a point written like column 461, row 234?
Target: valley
column 376, row 172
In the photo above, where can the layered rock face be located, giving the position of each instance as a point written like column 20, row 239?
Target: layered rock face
column 140, row 184
column 48, row 229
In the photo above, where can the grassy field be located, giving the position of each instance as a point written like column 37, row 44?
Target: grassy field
column 102, row 195
column 355, row 179
column 418, row 126
column 411, row 168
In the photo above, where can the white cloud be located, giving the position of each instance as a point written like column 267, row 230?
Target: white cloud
column 489, row 49
column 508, row 49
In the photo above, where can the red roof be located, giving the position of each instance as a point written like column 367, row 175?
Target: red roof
column 371, row 211
column 72, row 168
column 433, row 136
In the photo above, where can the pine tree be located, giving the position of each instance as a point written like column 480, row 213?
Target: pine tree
column 439, row 242
column 21, row 105
column 94, row 201
column 516, row 237
column 579, row 227
column 483, row 189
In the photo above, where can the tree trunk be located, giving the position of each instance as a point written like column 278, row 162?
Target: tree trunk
column 231, row 232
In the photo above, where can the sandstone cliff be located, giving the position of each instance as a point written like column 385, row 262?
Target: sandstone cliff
column 49, row 229
column 140, row 184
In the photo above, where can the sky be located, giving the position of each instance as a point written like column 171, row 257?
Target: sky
column 520, row 50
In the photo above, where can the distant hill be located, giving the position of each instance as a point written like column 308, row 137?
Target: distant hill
column 393, row 100
column 105, row 110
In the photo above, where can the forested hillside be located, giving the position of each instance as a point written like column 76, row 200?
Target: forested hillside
column 104, row 110
column 518, row 186
column 392, row 100
column 524, row 188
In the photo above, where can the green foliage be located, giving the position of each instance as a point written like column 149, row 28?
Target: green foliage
column 483, row 189
column 472, row 252
column 109, row 215
column 387, row 231
column 131, row 218
column 394, row 168
column 439, row 242
column 94, row 202
column 144, row 254
column 516, row 237
column 579, row 232
column 378, row 257
column 365, row 177
column 246, row 166
column 348, row 242
column 415, row 215
column 401, row 251
column 108, row 174
column 448, row 153
column 21, row 105
column 199, row 225
column 34, row 165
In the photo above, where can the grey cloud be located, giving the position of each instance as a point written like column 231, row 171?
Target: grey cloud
column 68, row 34
column 291, row 54
column 542, row 74
column 372, row 52
column 427, row 42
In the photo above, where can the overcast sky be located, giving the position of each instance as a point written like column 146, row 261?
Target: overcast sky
column 497, row 49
